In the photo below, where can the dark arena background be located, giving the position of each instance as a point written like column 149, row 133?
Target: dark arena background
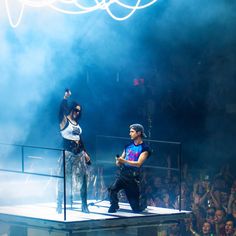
column 169, row 66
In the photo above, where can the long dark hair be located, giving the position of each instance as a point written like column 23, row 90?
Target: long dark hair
column 73, row 109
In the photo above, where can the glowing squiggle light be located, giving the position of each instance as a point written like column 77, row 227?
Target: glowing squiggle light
column 75, row 7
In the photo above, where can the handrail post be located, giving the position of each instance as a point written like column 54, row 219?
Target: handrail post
column 180, row 175
column 64, row 179
column 22, row 160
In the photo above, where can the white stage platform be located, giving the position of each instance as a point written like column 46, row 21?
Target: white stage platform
column 44, row 217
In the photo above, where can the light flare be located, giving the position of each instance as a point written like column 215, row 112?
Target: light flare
column 75, row 7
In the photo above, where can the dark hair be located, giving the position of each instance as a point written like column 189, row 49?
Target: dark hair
column 211, row 213
column 230, row 218
column 73, row 108
column 211, row 226
column 138, row 128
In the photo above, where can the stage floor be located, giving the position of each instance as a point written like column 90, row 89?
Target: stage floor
column 98, row 211
column 44, row 217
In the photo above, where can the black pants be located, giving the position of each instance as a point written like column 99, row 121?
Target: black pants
column 129, row 181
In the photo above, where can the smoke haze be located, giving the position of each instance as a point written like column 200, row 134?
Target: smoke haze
column 185, row 50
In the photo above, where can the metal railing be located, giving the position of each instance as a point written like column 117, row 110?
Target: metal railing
column 22, row 170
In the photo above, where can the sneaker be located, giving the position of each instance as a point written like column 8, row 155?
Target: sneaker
column 140, row 210
column 113, row 209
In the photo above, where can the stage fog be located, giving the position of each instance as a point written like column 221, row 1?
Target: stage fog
column 169, row 67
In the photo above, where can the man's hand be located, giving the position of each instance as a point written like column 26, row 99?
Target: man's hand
column 120, row 160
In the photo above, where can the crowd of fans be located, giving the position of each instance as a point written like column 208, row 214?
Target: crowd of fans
column 210, row 197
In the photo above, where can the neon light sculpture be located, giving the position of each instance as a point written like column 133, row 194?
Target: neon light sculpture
column 76, row 7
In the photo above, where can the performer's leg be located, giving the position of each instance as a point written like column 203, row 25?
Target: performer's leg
column 143, row 196
column 132, row 191
column 83, row 194
column 113, row 194
column 80, row 173
column 60, row 185
column 69, row 187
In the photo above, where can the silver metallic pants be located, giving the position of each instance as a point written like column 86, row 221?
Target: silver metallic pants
column 76, row 171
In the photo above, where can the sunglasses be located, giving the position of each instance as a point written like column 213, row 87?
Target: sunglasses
column 77, row 110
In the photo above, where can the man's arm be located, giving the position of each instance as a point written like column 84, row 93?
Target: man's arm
column 143, row 156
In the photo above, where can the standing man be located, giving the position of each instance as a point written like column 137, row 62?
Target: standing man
column 76, row 157
column 129, row 179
